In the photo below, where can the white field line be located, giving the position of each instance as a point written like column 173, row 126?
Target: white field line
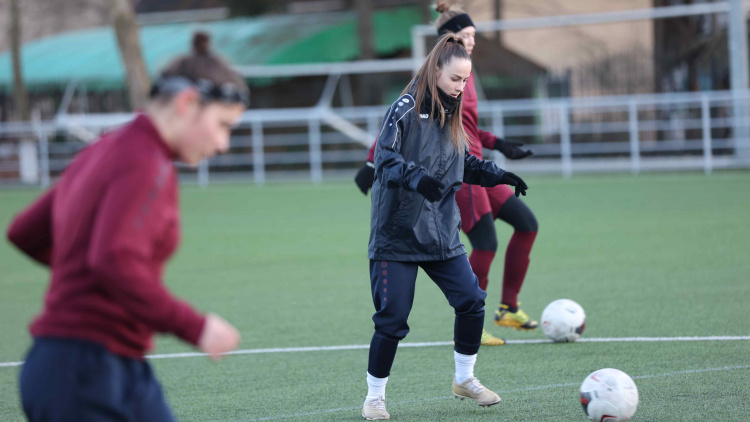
column 515, row 390
column 429, row 344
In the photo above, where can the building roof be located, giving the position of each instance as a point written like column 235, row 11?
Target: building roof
column 92, row 57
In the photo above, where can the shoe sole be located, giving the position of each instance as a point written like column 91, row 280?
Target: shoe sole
column 516, row 327
column 460, row 397
column 375, row 419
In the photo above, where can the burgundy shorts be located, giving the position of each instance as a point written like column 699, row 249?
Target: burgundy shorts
column 475, row 201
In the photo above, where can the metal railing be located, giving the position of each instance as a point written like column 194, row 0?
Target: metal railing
column 687, row 131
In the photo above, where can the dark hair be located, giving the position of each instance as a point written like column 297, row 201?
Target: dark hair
column 200, row 66
column 201, row 43
column 448, row 48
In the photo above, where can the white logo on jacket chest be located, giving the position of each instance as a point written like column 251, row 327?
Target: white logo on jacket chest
column 424, row 116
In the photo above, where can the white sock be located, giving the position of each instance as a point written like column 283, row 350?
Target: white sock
column 464, row 366
column 375, row 387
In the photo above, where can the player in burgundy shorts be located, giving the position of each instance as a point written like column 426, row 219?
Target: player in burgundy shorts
column 480, row 206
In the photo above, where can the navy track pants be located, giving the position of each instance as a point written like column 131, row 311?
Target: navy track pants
column 65, row 380
column 393, row 284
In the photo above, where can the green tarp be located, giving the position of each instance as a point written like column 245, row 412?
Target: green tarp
column 92, row 57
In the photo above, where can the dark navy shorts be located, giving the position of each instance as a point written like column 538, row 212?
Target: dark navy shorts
column 66, row 380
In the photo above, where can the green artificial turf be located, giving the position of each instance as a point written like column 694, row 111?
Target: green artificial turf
column 659, row 255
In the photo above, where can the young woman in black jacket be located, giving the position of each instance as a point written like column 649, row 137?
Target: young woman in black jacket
column 421, row 160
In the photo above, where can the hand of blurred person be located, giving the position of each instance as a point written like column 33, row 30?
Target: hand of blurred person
column 511, row 149
column 365, row 177
column 430, row 188
column 513, row 180
column 218, row 336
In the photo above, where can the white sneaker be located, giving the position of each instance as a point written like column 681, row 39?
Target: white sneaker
column 473, row 389
column 374, row 409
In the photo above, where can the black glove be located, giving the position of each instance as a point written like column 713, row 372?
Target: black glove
column 429, row 187
column 365, row 177
column 513, row 180
column 511, row 149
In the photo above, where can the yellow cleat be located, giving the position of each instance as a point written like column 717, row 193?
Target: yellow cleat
column 517, row 320
column 490, row 340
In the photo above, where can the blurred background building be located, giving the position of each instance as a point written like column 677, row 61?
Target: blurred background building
column 322, row 72
column 72, row 41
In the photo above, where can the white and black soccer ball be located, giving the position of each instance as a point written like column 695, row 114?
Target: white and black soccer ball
column 609, row 395
column 563, row 320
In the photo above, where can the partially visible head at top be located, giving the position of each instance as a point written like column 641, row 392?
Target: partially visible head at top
column 195, row 102
column 454, row 19
column 447, row 68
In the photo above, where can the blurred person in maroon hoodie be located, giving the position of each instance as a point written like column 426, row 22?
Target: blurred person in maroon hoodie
column 105, row 230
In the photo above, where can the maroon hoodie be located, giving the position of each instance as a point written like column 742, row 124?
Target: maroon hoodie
column 106, row 230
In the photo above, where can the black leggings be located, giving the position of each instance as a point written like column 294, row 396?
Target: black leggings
column 514, row 212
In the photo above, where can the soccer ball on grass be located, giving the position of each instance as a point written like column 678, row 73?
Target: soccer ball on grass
column 563, row 320
column 609, row 395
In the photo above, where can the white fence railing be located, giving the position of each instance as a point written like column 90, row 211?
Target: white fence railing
column 659, row 132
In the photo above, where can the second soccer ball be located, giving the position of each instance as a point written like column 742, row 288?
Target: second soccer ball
column 563, row 320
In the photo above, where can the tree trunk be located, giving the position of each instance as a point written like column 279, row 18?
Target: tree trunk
column 498, row 16
column 371, row 84
column 126, row 28
column 424, row 6
column 364, row 29
column 20, row 96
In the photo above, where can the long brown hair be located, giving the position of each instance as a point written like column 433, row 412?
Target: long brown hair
column 448, row 48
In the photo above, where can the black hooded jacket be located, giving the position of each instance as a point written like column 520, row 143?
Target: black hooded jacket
column 404, row 226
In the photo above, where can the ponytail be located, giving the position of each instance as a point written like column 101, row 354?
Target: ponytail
column 448, row 48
